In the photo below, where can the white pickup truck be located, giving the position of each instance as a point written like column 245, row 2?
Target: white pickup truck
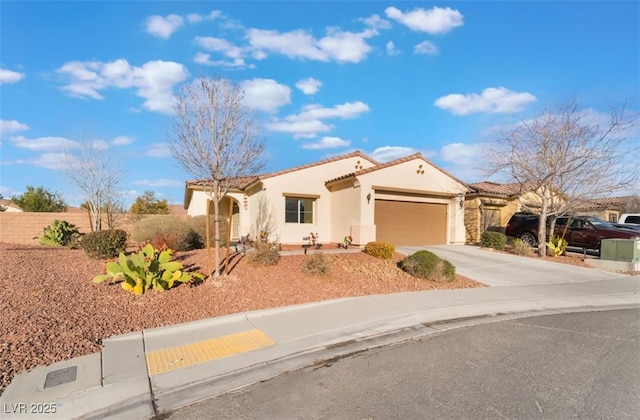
column 629, row 219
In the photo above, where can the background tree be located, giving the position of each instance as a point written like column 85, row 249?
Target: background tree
column 40, row 200
column 149, row 204
column 215, row 138
column 566, row 156
column 97, row 174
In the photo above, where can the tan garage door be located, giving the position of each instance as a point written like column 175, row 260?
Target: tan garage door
column 407, row 223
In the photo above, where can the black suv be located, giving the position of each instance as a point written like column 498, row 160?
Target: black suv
column 581, row 231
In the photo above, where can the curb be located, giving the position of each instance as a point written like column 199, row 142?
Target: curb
column 327, row 353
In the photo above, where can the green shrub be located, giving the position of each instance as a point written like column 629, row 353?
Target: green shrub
column 199, row 226
column 557, row 245
column 149, row 268
column 316, row 264
column 166, row 231
column 521, row 248
column 381, row 250
column 59, row 233
column 104, row 243
column 427, row 265
column 495, row 240
column 264, row 253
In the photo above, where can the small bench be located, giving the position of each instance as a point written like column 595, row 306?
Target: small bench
column 310, row 244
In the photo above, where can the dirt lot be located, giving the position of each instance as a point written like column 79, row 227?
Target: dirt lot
column 51, row 311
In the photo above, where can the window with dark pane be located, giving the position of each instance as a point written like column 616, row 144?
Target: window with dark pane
column 298, row 210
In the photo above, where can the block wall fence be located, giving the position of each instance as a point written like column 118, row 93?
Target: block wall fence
column 21, row 228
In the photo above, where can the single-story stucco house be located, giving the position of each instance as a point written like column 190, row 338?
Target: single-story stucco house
column 408, row 201
column 490, row 205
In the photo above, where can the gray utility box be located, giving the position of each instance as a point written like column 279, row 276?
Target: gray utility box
column 626, row 250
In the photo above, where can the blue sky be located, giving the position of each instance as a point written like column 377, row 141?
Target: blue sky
column 387, row 78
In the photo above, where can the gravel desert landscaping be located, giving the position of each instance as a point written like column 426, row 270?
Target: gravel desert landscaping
column 51, row 310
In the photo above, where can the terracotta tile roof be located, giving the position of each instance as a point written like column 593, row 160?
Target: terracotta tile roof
column 489, row 187
column 245, row 181
column 357, row 153
column 239, row 183
column 392, row 163
column 4, row 202
column 615, row 201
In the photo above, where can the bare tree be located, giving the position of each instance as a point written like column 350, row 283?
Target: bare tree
column 215, row 138
column 566, row 156
column 97, row 174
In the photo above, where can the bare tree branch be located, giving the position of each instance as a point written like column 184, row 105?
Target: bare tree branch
column 215, row 138
column 97, row 174
column 566, row 156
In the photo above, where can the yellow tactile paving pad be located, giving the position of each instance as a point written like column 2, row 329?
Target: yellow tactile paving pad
column 179, row 357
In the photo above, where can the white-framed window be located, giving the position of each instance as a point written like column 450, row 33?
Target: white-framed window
column 298, row 209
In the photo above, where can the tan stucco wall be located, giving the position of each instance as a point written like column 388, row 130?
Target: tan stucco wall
column 309, row 181
column 23, row 227
column 429, row 182
column 474, row 208
column 345, row 211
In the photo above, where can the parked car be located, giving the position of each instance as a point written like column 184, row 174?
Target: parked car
column 629, row 219
column 627, row 226
column 579, row 231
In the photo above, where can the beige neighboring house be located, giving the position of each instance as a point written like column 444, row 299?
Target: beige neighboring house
column 408, row 201
column 490, row 205
column 608, row 209
column 9, row 206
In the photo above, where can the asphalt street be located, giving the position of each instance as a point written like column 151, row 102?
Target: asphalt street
column 582, row 365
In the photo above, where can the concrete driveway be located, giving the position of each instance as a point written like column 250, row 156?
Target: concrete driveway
column 499, row 269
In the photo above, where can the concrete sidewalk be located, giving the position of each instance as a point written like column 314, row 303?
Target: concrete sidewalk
column 142, row 374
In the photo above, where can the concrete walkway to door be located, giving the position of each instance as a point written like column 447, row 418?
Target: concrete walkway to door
column 500, row 269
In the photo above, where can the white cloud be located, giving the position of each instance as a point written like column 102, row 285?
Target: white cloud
column 56, row 161
column 327, row 143
column 196, row 18
column 464, row 160
column 340, row 46
column 491, row 100
column 205, row 59
column 99, row 144
column 43, row 143
column 376, row 22
column 462, row 154
column 391, row 49
column 425, row 47
column 220, row 45
column 8, row 192
column 308, row 122
column 265, row 94
column 300, row 129
column 11, row 126
column 347, row 110
column 345, row 46
column 158, row 150
column 159, row 182
column 309, row 86
column 433, row 21
column 389, row 153
column 153, row 81
column 163, row 26
column 9, row 76
column 122, row 141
